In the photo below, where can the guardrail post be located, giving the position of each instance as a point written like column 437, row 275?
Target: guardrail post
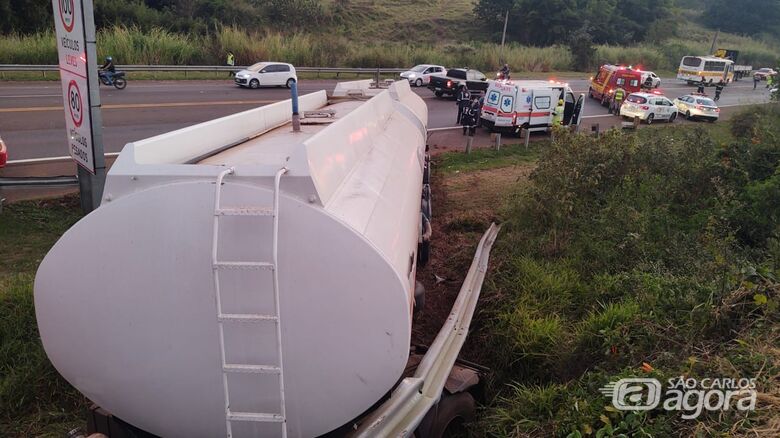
column 377, row 77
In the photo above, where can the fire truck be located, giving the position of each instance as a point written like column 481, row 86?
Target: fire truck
column 511, row 106
column 610, row 77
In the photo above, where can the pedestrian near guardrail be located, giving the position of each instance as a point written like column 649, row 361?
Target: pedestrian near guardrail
column 463, row 99
column 231, row 62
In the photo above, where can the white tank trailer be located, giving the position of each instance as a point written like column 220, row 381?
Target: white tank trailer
column 159, row 305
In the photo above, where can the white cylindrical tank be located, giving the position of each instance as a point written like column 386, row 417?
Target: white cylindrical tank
column 126, row 302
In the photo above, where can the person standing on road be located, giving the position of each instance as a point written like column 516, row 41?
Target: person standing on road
column 468, row 118
column 617, row 100
column 769, row 80
column 463, row 99
column 231, row 62
column 700, row 87
column 755, row 81
column 558, row 113
column 719, row 89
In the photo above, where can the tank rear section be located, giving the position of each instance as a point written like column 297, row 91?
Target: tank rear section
column 126, row 301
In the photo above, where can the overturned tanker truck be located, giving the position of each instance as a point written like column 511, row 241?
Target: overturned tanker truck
column 250, row 276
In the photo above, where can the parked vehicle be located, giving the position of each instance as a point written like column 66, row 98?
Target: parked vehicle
column 267, row 74
column 711, row 68
column 649, row 107
column 448, row 83
column 511, row 106
column 763, row 73
column 650, row 80
column 239, row 284
column 694, row 106
column 609, row 78
column 117, row 79
column 420, row 75
column 3, row 153
column 740, row 71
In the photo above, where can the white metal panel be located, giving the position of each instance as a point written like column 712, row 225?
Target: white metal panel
column 133, row 326
column 188, row 143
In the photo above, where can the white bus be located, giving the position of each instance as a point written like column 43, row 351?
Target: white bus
column 713, row 69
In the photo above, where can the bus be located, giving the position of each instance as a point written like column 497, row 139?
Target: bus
column 713, row 69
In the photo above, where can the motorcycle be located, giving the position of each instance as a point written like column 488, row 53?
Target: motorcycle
column 117, row 80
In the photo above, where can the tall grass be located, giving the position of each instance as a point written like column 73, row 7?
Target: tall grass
column 130, row 45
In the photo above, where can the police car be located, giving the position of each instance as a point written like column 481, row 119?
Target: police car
column 649, row 107
column 697, row 106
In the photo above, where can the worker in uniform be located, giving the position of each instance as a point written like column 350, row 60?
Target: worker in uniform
column 769, row 80
column 700, row 86
column 617, row 100
column 231, row 62
column 469, row 117
column 558, row 113
column 463, row 99
column 719, row 89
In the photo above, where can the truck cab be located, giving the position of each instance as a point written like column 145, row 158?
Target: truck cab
column 609, row 78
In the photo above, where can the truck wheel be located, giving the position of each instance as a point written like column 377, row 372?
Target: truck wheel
column 447, row 417
column 438, row 93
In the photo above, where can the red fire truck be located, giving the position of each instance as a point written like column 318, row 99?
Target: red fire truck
column 610, row 77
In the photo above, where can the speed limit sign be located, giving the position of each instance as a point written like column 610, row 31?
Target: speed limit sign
column 75, row 103
column 66, row 13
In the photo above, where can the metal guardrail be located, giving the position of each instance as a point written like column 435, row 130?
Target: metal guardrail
column 202, row 68
column 36, row 181
column 413, row 398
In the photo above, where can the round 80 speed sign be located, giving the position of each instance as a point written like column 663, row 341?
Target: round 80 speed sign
column 67, row 13
column 75, row 103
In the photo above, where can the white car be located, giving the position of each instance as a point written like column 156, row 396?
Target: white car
column 265, row 74
column 649, row 107
column 420, row 75
column 651, row 79
column 694, row 106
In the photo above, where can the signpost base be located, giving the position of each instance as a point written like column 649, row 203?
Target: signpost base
column 91, row 188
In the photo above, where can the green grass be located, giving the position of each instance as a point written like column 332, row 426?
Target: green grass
column 482, row 159
column 341, row 49
column 34, row 399
column 649, row 247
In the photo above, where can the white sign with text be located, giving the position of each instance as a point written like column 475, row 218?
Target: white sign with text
column 72, row 50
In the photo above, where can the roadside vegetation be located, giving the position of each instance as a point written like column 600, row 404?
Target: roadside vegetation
column 34, row 399
column 365, row 33
column 636, row 255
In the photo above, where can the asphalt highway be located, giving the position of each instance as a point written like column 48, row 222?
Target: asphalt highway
column 32, row 120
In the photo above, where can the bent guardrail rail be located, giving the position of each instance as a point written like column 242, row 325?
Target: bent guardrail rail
column 415, row 396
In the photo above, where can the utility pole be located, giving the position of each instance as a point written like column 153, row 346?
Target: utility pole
column 714, row 42
column 503, row 36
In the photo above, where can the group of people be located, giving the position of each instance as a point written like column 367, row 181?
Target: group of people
column 771, row 80
column 718, row 87
column 469, row 110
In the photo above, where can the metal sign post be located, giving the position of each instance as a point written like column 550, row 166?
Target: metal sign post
column 75, row 25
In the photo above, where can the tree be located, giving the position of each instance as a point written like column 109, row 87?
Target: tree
column 554, row 21
column 746, row 17
column 581, row 46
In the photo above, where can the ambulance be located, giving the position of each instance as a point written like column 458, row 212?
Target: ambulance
column 511, row 106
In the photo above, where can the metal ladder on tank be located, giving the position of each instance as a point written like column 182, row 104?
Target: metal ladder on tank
column 240, row 318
